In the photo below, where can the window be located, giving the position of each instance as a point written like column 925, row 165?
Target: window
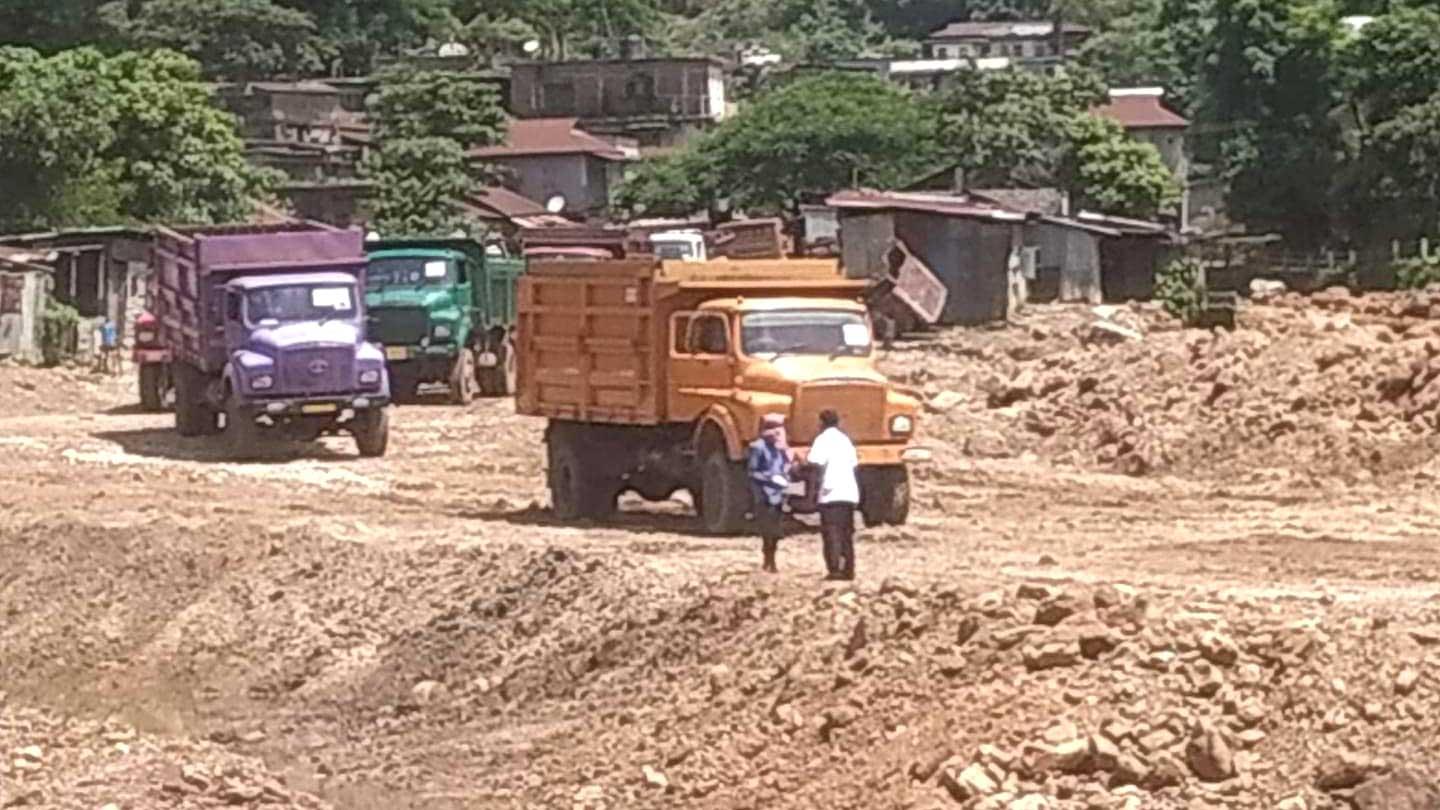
column 708, row 335
column 409, row 272
column 807, row 332
column 232, row 306
column 294, row 303
column 680, row 334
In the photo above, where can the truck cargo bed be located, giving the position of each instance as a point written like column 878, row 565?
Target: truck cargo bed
column 594, row 335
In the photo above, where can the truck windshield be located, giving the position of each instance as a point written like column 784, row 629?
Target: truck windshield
column 811, row 331
column 674, row 250
column 380, row 273
column 299, row 303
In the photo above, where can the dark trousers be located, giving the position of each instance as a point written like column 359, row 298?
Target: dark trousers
column 770, row 522
column 837, row 530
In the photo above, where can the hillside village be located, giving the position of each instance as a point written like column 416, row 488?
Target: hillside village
column 426, row 404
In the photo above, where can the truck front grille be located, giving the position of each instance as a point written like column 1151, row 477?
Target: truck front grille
column 397, row 326
column 860, row 404
column 318, row 370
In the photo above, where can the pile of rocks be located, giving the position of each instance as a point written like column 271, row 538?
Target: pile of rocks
column 1332, row 385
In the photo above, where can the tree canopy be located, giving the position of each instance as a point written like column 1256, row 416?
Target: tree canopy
column 426, row 121
column 86, row 138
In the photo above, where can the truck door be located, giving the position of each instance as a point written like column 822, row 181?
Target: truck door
column 702, row 366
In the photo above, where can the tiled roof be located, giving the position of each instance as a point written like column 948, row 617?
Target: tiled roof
column 1140, row 108
column 549, row 136
column 943, row 204
column 1003, row 30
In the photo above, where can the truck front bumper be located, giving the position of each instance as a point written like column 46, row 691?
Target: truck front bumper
column 333, row 407
column 882, row 455
column 405, row 354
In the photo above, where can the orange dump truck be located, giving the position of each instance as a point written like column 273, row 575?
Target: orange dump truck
column 654, row 376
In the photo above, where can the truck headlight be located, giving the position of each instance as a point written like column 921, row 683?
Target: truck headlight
column 145, row 337
column 370, row 376
column 262, row 382
column 442, row 332
column 901, row 425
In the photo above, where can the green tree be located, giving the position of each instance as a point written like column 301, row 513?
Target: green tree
column 1392, row 188
column 416, row 104
column 418, row 185
column 1268, row 86
column 675, row 185
column 241, row 40
column 48, row 25
column 818, row 135
column 426, row 121
column 1394, row 62
column 86, row 139
column 1009, row 123
column 1106, row 170
column 358, row 32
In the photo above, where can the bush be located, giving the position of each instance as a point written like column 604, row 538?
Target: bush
column 58, row 323
column 1179, row 287
column 1417, row 274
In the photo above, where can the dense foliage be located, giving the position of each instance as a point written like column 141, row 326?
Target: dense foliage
column 426, row 122
column 1320, row 128
column 90, row 139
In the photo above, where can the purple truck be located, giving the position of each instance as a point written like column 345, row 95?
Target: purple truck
column 266, row 331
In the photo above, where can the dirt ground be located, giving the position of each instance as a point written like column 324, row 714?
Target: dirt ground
column 1148, row 568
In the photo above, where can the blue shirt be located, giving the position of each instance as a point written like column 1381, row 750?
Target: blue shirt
column 765, row 462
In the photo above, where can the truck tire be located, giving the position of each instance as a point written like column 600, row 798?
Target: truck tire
column 462, row 378
column 578, row 491
column 371, row 430
column 242, row 435
column 193, row 416
column 403, row 384
column 885, row 496
column 152, row 379
column 725, row 494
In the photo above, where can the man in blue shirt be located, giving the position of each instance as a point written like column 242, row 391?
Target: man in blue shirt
column 769, row 467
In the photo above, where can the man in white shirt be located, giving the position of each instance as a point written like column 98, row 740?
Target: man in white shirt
column 835, row 455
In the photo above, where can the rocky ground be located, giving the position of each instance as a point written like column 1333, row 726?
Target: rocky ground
column 1148, row 568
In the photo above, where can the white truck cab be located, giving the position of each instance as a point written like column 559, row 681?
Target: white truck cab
column 684, row 245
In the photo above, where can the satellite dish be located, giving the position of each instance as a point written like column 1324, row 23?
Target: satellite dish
column 530, row 46
column 555, row 204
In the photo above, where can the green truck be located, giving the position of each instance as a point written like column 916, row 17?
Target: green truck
column 444, row 310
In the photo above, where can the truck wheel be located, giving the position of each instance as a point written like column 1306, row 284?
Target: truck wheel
column 190, row 410
column 462, row 378
column 576, row 490
column 371, row 429
column 403, row 385
column 242, row 435
column 152, row 377
column 725, row 498
column 885, row 496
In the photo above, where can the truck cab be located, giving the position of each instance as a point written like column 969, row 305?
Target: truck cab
column 442, row 310
column 734, row 360
column 679, row 245
column 298, row 360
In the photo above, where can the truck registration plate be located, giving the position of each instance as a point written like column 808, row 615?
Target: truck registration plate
column 397, row 352
column 319, row 407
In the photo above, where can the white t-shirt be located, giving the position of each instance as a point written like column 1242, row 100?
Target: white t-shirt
column 835, row 452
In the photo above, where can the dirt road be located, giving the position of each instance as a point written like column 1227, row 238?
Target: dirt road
column 415, row 631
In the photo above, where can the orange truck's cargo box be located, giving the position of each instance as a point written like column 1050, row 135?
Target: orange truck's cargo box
column 593, row 336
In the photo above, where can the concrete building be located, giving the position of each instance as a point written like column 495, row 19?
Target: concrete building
column 554, row 162
column 1033, row 42
column 661, row 103
column 1143, row 114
